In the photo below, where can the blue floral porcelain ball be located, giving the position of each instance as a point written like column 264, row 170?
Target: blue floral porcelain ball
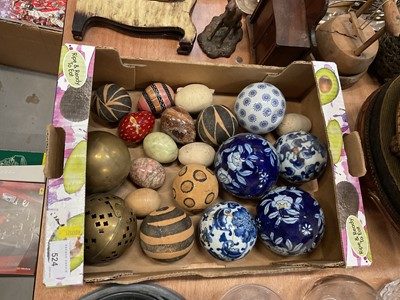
column 290, row 221
column 247, row 165
column 227, row 231
column 303, row 157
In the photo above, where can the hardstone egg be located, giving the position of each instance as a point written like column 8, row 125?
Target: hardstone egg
column 161, row 147
column 260, row 107
column 134, row 127
column 196, row 153
column 215, row 124
column 195, row 188
column 227, row 231
column 247, row 165
column 303, row 157
column 156, row 98
column 111, row 102
column 167, row 234
column 147, row 173
column 290, row 221
column 194, row 97
column 178, row 124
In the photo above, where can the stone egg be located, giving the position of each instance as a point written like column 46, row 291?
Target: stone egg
column 161, row 147
column 215, row 124
column 303, row 157
column 156, row 98
column 196, row 153
column 260, row 107
column 147, row 172
column 293, row 122
column 167, row 234
column 227, row 231
column 143, row 201
column 136, row 126
column 178, row 124
column 194, row 97
column 290, row 221
column 247, row 165
column 194, row 188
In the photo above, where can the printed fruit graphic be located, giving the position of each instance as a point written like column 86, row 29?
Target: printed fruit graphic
column 335, row 139
column 74, row 170
column 64, row 50
column 328, row 85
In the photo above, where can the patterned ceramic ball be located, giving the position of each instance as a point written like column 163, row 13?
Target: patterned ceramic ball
column 111, row 102
column 215, row 124
column 227, row 231
column 167, row 234
column 290, row 221
column 195, row 188
column 260, row 107
column 247, row 165
column 303, row 157
column 156, row 98
column 136, row 126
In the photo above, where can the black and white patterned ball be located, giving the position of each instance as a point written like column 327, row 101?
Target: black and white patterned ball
column 111, row 102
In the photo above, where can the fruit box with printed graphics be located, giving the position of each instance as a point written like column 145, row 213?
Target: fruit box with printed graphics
column 306, row 87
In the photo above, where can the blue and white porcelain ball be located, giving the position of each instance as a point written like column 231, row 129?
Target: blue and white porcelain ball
column 227, row 231
column 247, row 165
column 302, row 156
column 290, row 221
column 260, row 107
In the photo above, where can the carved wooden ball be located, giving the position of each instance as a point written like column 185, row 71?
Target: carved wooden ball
column 143, row 201
column 167, row 234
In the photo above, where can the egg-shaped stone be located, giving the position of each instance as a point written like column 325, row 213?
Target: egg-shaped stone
column 290, row 221
column 156, row 98
column 294, row 122
column 194, row 97
column 134, row 127
column 215, row 124
column 247, row 165
column 227, row 231
column 143, row 201
column 196, row 153
column 167, row 234
column 147, row 173
column 178, row 124
column 260, row 107
column 161, row 147
column 195, row 188
column 303, row 157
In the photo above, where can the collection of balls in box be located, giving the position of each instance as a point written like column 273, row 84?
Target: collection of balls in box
column 216, row 147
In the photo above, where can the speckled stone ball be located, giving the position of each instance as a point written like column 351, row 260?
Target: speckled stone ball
column 156, row 98
column 147, row 173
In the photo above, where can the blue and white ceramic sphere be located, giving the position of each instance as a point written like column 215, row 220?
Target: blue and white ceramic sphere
column 227, row 231
column 290, row 221
column 260, row 107
column 302, row 156
column 247, row 165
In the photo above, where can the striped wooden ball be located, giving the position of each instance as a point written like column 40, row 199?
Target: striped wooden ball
column 156, row 98
column 167, row 234
column 215, row 124
column 111, row 102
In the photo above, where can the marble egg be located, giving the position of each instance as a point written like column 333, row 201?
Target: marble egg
column 196, row 153
column 167, row 234
column 195, row 188
column 247, row 165
column 215, row 124
column 136, row 126
column 156, row 98
column 161, row 147
column 290, row 221
column 227, row 231
column 293, row 122
column 260, row 107
column 147, row 173
column 178, row 124
column 303, row 157
column 194, row 97
column 143, row 201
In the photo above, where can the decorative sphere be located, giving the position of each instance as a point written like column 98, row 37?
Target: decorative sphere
column 147, row 172
column 195, row 187
column 108, row 162
column 136, row 126
column 247, row 165
column 161, row 147
column 227, row 231
column 260, row 107
column 303, row 157
column 143, row 201
column 178, row 124
column 110, row 228
column 290, row 221
column 111, row 102
column 156, row 98
column 167, row 234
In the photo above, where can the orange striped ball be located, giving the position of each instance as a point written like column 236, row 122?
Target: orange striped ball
column 156, row 98
column 167, row 234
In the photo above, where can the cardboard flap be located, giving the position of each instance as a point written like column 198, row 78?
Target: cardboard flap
column 55, row 152
column 355, row 154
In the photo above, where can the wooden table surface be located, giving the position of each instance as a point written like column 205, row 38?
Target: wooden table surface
column 384, row 240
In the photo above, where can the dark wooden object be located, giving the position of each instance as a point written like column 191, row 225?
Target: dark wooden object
column 283, row 31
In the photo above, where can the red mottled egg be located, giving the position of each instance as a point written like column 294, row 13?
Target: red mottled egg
column 136, row 126
column 156, row 98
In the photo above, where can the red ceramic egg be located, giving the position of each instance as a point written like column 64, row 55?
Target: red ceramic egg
column 135, row 126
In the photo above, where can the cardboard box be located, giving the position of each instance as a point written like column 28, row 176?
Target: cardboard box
column 345, row 243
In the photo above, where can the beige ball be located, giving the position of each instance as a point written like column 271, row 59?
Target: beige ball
column 194, row 97
column 143, row 201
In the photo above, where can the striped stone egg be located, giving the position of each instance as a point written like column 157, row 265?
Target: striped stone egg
column 167, row 234
column 156, row 98
column 111, row 102
column 215, row 124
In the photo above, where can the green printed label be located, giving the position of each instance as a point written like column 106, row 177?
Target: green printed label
column 74, row 67
column 357, row 237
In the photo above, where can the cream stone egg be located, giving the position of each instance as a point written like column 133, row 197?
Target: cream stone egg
column 294, row 122
column 194, row 97
column 196, row 153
